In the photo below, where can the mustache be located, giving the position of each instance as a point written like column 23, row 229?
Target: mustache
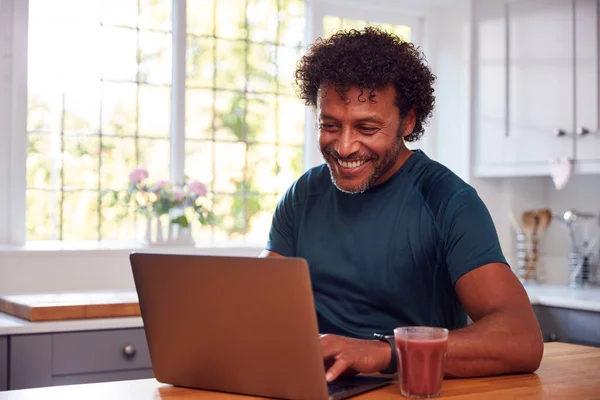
column 329, row 150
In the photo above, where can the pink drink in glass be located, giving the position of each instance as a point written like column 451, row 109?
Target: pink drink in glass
column 421, row 355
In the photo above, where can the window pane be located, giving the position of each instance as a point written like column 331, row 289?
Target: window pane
column 198, row 113
column 44, row 104
column 154, row 111
column 262, row 68
column 118, row 159
column 225, row 218
column 229, row 109
column 200, row 17
column 155, row 58
column 199, row 161
column 259, row 210
column 154, row 156
column 404, row 32
column 119, row 108
column 49, row 10
column 291, row 120
column 44, row 61
column 81, row 58
column 292, row 23
column 290, row 163
column 117, row 222
column 120, row 12
column 80, row 162
column 231, row 19
column 357, row 24
column 262, row 168
column 231, row 64
column 260, row 118
column 119, row 54
column 155, row 14
column 83, row 11
column 262, row 20
column 80, row 215
column 229, row 166
column 287, row 58
column 42, row 214
column 40, row 160
column 200, row 62
column 331, row 25
column 82, row 107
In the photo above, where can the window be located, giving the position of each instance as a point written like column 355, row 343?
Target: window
column 332, row 24
column 101, row 80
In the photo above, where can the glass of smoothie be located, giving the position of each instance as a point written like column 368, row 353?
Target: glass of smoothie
column 421, row 352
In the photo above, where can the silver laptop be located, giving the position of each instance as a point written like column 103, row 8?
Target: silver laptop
column 236, row 324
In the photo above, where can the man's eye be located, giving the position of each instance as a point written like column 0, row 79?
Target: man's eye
column 327, row 126
column 368, row 129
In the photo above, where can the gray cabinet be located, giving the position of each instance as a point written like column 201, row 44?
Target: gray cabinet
column 78, row 357
column 569, row 326
column 3, row 363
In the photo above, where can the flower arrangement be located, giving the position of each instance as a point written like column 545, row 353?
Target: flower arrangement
column 165, row 198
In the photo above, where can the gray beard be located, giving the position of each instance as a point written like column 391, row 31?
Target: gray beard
column 389, row 159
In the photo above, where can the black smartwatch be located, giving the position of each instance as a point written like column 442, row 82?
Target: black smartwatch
column 393, row 367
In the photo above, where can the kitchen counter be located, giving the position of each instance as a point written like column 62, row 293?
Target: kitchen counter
column 567, row 372
column 10, row 325
column 587, row 299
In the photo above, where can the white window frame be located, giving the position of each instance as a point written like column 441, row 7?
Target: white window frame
column 14, row 20
column 383, row 11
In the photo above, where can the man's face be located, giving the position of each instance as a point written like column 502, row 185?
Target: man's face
column 360, row 140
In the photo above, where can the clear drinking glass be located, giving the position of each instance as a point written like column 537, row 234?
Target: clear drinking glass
column 421, row 352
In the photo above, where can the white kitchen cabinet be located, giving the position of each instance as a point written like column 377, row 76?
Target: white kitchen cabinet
column 537, row 82
column 587, row 67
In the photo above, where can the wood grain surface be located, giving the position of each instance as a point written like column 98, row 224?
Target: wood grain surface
column 71, row 305
column 567, row 372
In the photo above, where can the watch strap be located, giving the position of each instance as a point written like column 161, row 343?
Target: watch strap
column 393, row 367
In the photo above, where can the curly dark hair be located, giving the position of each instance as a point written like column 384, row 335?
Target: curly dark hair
column 369, row 59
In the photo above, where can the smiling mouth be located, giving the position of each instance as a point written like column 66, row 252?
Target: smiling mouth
column 351, row 164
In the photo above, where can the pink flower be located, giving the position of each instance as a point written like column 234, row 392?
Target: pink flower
column 160, row 185
column 177, row 194
column 138, row 175
column 198, row 188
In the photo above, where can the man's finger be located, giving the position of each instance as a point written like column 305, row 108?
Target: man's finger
column 336, row 369
column 330, row 345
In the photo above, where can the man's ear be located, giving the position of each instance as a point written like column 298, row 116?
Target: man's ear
column 408, row 123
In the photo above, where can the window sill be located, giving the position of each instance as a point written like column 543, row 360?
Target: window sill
column 78, row 248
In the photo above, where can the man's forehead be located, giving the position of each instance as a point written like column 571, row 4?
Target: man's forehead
column 332, row 93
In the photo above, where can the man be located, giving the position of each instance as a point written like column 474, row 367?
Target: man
column 393, row 238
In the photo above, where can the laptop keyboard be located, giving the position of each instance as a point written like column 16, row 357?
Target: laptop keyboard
column 344, row 383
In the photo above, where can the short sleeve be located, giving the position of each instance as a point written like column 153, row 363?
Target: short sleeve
column 471, row 237
column 281, row 236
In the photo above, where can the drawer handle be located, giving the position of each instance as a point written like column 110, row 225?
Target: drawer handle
column 129, row 351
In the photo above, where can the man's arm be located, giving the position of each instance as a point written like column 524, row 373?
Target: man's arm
column 504, row 337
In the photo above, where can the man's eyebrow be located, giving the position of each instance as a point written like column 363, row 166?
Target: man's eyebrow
column 360, row 120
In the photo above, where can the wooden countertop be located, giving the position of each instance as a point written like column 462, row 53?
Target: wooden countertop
column 567, row 372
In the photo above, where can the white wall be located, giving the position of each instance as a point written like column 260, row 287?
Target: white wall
column 80, row 270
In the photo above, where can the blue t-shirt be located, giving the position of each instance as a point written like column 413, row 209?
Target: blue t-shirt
column 390, row 256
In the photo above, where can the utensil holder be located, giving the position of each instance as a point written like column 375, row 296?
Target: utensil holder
column 527, row 257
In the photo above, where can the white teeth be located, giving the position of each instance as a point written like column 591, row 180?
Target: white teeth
column 352, row 164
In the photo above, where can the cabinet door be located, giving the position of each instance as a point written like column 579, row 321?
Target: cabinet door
column 78, row 357
column 491, row 96
column 540, row 76
column 3, row 363
column 587, row 67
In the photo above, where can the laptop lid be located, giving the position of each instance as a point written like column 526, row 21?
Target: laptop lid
column 232, row 324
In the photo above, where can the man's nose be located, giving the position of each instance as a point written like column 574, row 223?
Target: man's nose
column 347, row 143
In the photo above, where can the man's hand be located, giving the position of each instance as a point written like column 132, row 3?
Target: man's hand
column 356, row 355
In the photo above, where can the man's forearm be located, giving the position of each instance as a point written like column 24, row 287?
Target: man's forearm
column 499, row 343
